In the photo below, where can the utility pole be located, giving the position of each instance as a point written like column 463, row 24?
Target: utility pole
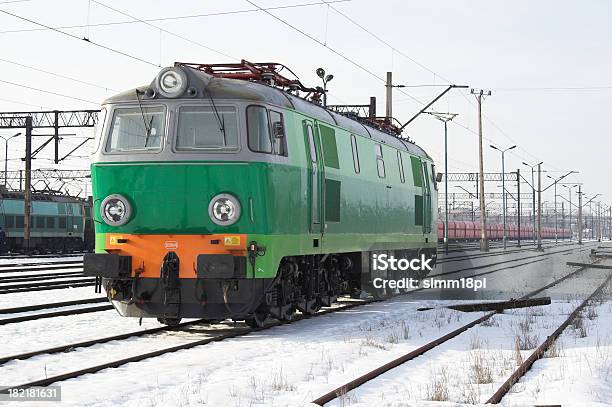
column 556, row 217
column 539, row 248
column 444, row 118
column 503, row 152
column 518, row 198
column 28, row 187
column 570, row 211
column 484, row 243
column 6, row 140
column 563, row 219
column 555, row 180
column 569, row 189
column 599, row 221
column 533, row 204
column 389, row 99
column 579, row 214
column 591, row 233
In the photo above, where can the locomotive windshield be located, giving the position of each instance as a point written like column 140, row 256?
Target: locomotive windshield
column 207, row 127
column 136, row 128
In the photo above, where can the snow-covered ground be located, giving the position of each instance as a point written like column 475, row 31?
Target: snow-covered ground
column 293, row 364
column 45, row 297
column 31, row 260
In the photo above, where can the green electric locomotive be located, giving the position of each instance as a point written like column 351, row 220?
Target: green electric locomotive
column 219, row 193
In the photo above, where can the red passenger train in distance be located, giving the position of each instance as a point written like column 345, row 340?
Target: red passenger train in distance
column 470, row 231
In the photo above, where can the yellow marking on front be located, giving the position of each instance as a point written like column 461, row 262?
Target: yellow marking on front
column 114, row 239
column 231, row 240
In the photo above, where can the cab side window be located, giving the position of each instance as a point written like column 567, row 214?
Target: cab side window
column 279, row 139
column 380, row 163
column 266, row 131
column 259, row 130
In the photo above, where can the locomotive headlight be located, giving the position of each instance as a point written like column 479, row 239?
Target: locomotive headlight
column 224, row 209
column 171, row 82
column 115, row 210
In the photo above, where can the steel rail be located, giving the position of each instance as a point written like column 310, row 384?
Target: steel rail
column 74, row 311
column 46, row 263
column 41, row 256
column 39, row 307
column 339, row 391
column 41, row 277
column 45, row 283
column 189, row 345
column 451, row 259
column 45, row 288
column 539, row 255
column 91, row 342
column 60, row 267
column 241, row 332
column 539, row 352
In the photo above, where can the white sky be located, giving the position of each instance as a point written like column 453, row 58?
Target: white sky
column 505, row 47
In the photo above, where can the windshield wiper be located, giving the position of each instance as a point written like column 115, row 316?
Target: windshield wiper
column 148, row 131
column 220, row 119
column 144, row 121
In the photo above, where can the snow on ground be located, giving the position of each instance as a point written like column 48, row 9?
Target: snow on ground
column 50, row 365
column 293, row 364
column 46, row 296
column 30, row 260
column 57, row 280
column 468, row 369
column 45, row 333
column 579, row 370
column 286, row 365
column 318, row 357
column 8, row 273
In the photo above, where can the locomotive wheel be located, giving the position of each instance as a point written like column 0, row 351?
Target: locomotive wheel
column 381, row 293
column 169, row 321
column 258, row 320
column 309, row 307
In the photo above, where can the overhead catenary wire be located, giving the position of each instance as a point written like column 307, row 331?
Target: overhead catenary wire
column 190, row 16
column 57, row 75
column 436, row 74
column 182, row 37
column 338, row 53
column 48, row 92
column 557, row 88
column 25, row 104
column 80, row 39
column 384, row 42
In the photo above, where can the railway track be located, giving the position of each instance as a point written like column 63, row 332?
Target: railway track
column 46, row 285
column 373, row 374
column 232, row 333
column 42, row 263
column 40, row 282
column 55, row 266
column 52, row 314
column 26, row 277
column 38, row 307
column 474, row 256
column 497, row 397
column 40, row 277
column 538, row 256
column 504, row 265
column 40, row 256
